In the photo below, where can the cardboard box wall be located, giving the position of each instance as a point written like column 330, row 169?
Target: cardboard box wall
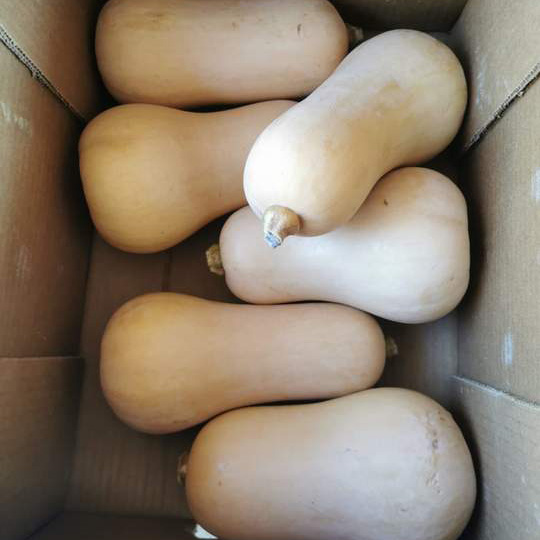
column 68, row 468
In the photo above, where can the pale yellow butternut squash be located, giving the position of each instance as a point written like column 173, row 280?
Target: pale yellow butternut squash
column 404, row 256
column 153, row 175
column 397, row 99
column 384, row 464
column 170, row 361
column 188, row 53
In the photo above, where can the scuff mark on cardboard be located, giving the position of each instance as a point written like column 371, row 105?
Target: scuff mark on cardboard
column 11, row 117
column 507, row 352
column 535, row 185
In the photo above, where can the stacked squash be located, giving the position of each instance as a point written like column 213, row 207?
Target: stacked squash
column 341, row 218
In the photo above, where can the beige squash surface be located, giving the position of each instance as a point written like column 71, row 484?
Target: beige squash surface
column 397, row 99
column 404, row 256
column 170, row 361
column 190, row 53
column 383, row 464
column 153, row 175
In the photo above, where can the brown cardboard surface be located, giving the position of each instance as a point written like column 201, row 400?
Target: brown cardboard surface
column 58, row 37
column 81, row 526
column 499, row 44
column 499, row 338
column 426, row 359
column 504, row 436
column 45, row 236
column 427, row 15
column 38, row 410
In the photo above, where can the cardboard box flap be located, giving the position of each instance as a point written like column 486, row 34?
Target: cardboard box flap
column 55, row 41
column 499, row 341
column 504, row 437
column 39, row 398
column 499, row 44
column 45, row 238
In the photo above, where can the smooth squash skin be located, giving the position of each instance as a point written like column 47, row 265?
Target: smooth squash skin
column 397, row 99
column 404, row 256
column 170, row 361
column 153, row 175
column 189, row 53
column 383, row 464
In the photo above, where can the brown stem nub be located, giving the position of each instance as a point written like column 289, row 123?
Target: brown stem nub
column 213, row 260
column 181, row 469
column 278, row 223
column 356, row 35
column 391, row 347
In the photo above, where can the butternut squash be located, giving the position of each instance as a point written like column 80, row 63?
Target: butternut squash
column 384, row 464
column 404, row 256
column 153, row 175
column 170, row 361
column 191, row 53
column 397, row 99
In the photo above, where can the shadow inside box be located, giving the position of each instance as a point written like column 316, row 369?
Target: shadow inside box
column 188, row 271
column 477, row 238
column 473, row 529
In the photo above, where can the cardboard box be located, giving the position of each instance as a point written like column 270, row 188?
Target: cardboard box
column 68, row 468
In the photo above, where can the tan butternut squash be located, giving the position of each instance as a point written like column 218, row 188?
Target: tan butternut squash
column 404, row 256
column 397, row 99
column 170, row 361
column 153, row 175
column 190, row 53
column 384, row 464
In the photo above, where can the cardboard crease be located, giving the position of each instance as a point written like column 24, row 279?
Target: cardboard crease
column 37, row 74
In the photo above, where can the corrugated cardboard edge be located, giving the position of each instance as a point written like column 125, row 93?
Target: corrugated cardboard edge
column 503, row 436
column 516, row 94
column 37, row 74
column 496, row 393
